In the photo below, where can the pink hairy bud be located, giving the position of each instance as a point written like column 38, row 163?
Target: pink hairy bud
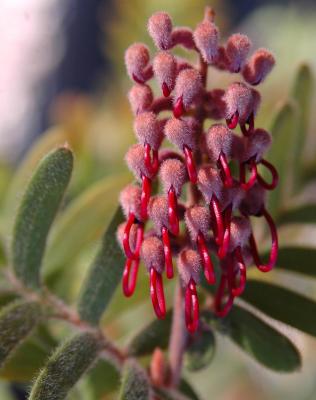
column 130, row 201
column 165, row 70
column 180, row 133
column 258, row 66
column 258, row 143
column 132, row 235
column 206, row 37
column 241, row 99
column 232, row 197
column 137, row 62
column 189, row 266
column 240, row 231
column 160, row 29
column 237, row 49
column 183, row 36
column 219, row 139
column 173, row 173
column 148, row 129
column 253, row 203
column 158, row 212
column 188, row 87
column 152, row 254
column 135, row 161
column 209, row 183
column 197, row 220
column 140, row 98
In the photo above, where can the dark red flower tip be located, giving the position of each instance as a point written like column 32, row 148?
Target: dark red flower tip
column 130, row 276
column 191, row 307
column 157, row 293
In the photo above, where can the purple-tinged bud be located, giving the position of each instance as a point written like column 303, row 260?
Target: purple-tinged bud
column 165, row 70
column 258, row 143
column 197, row 220
column 258, row 66
column 160, row 29
column 189, row 266
column 237, row 49
column 132, row 235
column 158, row 212
column 254, row 201
column 140, row 98
column 240, row 231
column 130, row 200
column 238, row 148
column 135, row 159
column 215, row 104
column 210, row 183
column 136, row 61
column 183, row 36
column 180, row 133
column 188, row 87
column 241, row 99
column 206, row 37
column 148, row 129
column 219, row 139
column 152, row 254
column 173, row 173
column 232, row 197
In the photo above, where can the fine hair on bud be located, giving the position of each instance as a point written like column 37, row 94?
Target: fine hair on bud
column 132, row 235
column 152, row 253
column 197, row 219
column 130, row 200
column 258, row 66
column 210, row 183
column 237, row 49
column 258, row 144
column 189, row 265
column 206, row 38
column 165, row 69
column 135, row 161
column 188, row 86
column 148, row 129
column 180, row 133
column 160, row 29
column 253, row 203
column 173, row 173
column 158, row 212
column 219, row 139
column 240, row 231
column 136, row 61
column 140, row 98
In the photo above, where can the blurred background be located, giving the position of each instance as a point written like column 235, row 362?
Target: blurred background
column 62, row 75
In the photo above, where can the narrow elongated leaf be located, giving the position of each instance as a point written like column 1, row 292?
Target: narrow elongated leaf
column 3, row 256
column 104, row 276
column 184, row 392
column 282, row 304
column 200, row 351
column 37, row 211
column 305, row 214
column 155, row 334
column 17, row 321
column 135, row 384
column 65, row 367
column 103, row 379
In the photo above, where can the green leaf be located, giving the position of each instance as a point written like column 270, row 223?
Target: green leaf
column 3, row 255
column 187, row 390
column 37, row 211
column 135, row 384
column 302, row 92
column 103, row 379
column 104, row 275
column 155, row 334
column 17, row 321
column 282, row 304
column 262, row 342
column 200, row 351
column 305, row 214
column 65, row 367
column 184, row 391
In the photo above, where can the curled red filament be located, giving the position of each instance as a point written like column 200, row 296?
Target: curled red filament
column 139, row 239
column 218, row 225
column 224, row 298
column 167, row 252
column 241, row 271
column 172, row 211
column 274, row 174
column 165, row 90
column 130, row 276
column 157, row 293
column 253, row 175
column 206, row 259
column 191, row 307
column 233, row 121
column 274, row 245
column 137, row 80
column 189, row 162
column 151, row 165
column 223, row 249
column 222, row 161
column 145, row 196
column 247, row 131
column 178, row 109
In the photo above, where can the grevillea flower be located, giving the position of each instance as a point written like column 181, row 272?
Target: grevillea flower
column 205, row 206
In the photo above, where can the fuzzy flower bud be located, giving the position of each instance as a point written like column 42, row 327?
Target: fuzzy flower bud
column 140, row 98
column 232, row 197
column 136, row 61
column 258, row 66
column 219, row 139
column 206, row 37
column 209, row 183
column 152, row 253
column 135, row 161
column 165, row 70
column 160, row 29
column 179, row 132
column 148, row 129
column 188, row 86
column 258, row 143
column 240, row 231
column 189, row 265
column 130, row 201
column 237, row 49
column 253, row 203
column 158, row 212
column 197, row 220
column 173, row 174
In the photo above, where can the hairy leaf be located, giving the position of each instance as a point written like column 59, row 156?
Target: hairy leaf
column 17, row 321
column 103, row 379
column 65, row 367
column 305, row 214
column 200, row 351
column 37, row 211
column 135, row 385
column 282, row 304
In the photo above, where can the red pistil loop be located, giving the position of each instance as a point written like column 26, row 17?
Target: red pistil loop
column 126, row 245
column 251, row 125
column 172, row 211
column 253, row 176
column 222, row 308
column 167, row 252
column 152, row 166
column 178, row 109
column 145, row 196
column 206, row 259
column 189, row 162
column 130, row 276
column 233, row 121
column 191, row 307
column 157, row 293
column 237, row 291
column 218, row 227
column 274, row 245
column 137, row 80
column 226, row 238
column 228, row 180
column 274, row 174
column 165, row 90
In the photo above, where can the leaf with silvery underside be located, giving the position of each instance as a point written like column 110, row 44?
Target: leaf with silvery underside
column 200, row 350
column 135, row 384
column 65, row 367
column 104, row 275
column 304, row 214
column 36, row 214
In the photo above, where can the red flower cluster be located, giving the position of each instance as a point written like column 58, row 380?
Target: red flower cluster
column 215, row 216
